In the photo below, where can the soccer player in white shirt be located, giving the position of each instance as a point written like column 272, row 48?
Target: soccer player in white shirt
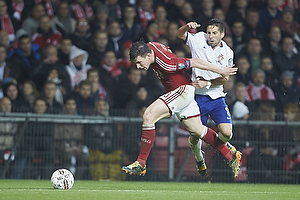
column 209, row 85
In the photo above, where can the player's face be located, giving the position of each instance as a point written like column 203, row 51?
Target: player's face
column 143, row 62
column 214, row 36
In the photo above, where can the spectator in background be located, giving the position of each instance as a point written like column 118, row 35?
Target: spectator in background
column 139, row 99
column 130, row 26
column 64, row 50
column 82, row 36
column 103, row 142
column 253, row 51
column 8, row 135
column 257, row 90
column 84, row 99
column 49, row 93
column 114, row 9
column 252, row 28
column 225, row 5
column 173, row 9
column 287, row 91
column 146, row 12
column 297, row 13
column 45, row 35
column 4, row 68
column 286, row 22
column 238, row 36
column 228, row 40
column 62, row 21
column 268, row 13
column 60, row 91
column 30, row 93
column 19, row 104
column 78, row 66
column 272, row 76
column 243, row 74
column 239, row 108
column 206, row 14
column 49, row 63
column 229, row 90
column 286, row 59
column 268, row 146
column 238, row 10
column 101, row 20
column 297, row 74
column 31, row 23
column 151, row 34
column 81, row 9
column 174, row 42
column 110, row 72
column 8, row 23
column 125, row 62
column 97, row 91
column 96, row 53
column 219, row 14
column 161, row 18
column 273, row 42
column 70, row 150
column 4, row 41
column 24, row 59
column 116, row 38
column 19, row 9
column 37, row 145
column 127, row 87
column 187, row 14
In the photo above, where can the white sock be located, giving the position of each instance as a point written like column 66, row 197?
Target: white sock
column 196, row 148
column 223, row 138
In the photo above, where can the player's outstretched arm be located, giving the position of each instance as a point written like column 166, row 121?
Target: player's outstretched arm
column 202, row 64
column 182, row 31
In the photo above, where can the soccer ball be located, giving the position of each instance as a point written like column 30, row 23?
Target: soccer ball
column 62, row 179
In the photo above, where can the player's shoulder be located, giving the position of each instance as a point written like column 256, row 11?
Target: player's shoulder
column 226, row 47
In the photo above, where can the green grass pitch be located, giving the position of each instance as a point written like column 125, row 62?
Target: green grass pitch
column 143, row 190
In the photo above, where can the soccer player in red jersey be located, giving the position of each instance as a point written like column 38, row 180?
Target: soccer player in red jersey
column 179, row 99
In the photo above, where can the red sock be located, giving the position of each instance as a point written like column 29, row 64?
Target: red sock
column 211, row 138
column 147, row 141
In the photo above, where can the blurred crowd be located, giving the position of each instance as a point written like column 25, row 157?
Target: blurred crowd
column 56, row 50
column 72, row 56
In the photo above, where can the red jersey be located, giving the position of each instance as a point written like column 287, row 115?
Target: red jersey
column 166, row 67
column 44, row 40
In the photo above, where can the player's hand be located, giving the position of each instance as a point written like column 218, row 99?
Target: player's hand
column 193, row 25
column 200, row 83
column 229, row 70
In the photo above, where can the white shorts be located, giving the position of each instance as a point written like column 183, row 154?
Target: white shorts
column 181, row 102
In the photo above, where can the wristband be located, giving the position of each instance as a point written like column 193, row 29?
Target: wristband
column 208, row 84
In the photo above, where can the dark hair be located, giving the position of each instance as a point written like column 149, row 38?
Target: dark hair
column 84, row 82
column 91, row 70
column 25, row 36
column 139, row 48
column 218, row 23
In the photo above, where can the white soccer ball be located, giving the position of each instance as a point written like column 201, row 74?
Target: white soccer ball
column 62, row 179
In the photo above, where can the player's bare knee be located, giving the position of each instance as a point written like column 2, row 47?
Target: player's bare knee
column 147, row 119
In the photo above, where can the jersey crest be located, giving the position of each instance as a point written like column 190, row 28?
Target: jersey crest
column 220, row 58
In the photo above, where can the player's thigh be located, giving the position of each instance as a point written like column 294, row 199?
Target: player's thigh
column 156, row 111
column 193, row 125
column 220, row 112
